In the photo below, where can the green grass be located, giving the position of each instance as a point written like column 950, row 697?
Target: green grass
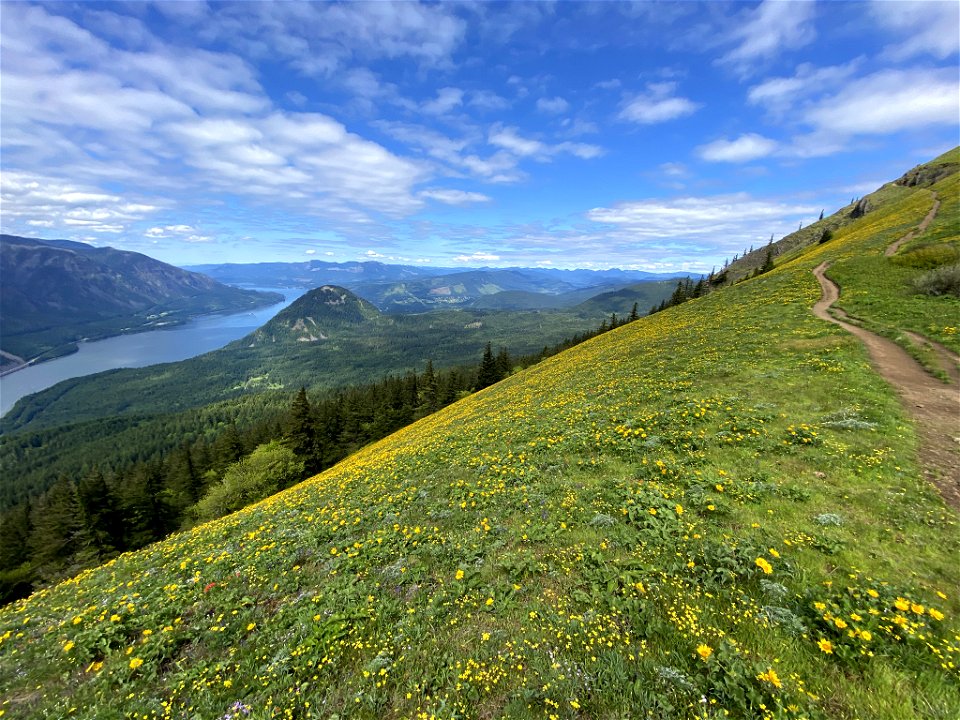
column 878, row 291
column 588, row 538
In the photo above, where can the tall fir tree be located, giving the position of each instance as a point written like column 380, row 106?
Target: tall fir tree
column 58, row 531
column 487, row 374
column 301, row 432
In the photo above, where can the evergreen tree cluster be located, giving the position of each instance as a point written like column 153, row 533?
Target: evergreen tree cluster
column 686, row 290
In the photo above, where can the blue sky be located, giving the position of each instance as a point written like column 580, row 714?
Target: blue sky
column 655, row 136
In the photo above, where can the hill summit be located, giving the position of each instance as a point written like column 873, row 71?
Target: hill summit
column 316, row 316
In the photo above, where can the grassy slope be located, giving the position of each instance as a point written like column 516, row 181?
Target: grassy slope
column 560, row 545
column 877, row 290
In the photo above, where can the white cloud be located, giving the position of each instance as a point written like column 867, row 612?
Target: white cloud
column 658, row 104
column 720, row 219
column 613, row 84
column 447, row 99
column 43, row 201
column 553, row 106
column 319, row 38
column 310, row 252
column 510, row 140
column 477, row 257
column 454, row 197
column 770, row 29
column 781, row 94
column 887, row 102
column 167, row 230
column 674, row 170
column 488, row 100
column 926, row 28
column 744, row 149
column 574, row 127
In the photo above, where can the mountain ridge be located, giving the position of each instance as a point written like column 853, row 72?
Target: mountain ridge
column 57, row 292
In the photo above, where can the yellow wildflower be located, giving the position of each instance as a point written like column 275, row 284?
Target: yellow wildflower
column 825, row 646
column 135, row 663
column 764, row 565
column 704, row 651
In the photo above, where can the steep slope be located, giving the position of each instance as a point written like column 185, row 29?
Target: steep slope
column 715, row 510
column 56, row 292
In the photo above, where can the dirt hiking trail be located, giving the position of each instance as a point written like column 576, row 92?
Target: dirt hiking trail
column 893, row 247
column 934, row 405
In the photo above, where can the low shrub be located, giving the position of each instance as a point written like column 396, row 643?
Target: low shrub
column 940, row 281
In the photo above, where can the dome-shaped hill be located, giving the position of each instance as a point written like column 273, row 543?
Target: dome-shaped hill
column 315, row 317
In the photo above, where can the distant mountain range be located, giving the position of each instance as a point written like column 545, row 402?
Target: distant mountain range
column 410, row 288
column 56, row 292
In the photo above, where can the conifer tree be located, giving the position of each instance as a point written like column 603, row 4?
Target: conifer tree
column 633, row 314
column 504, row 363
column 100, row 514
column 768, row 261
column 488, row 373
column 184, row 482
column 301, row 434
column 429, row 390
column 58, row 531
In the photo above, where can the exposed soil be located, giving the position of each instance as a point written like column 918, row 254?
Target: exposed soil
column 893, row 247
column 934, row 405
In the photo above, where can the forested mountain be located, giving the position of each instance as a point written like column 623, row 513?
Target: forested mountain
column 55, row 292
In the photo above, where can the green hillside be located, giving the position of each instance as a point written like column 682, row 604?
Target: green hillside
column 712, row 512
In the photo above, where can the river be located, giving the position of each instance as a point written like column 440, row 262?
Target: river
column 194, row 338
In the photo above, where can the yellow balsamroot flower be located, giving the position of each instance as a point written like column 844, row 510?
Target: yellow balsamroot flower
column 704, row 651
column 764, row 565
column 918, row 609
column 771, row 677
column 866, row 635
column 902, row 604
column 459, row 575
column 936, row 614
column 68, row 646
column 825, row 646
column 135, row 663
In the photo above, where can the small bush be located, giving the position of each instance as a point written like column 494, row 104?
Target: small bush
column 941, row 281
column 929, row 257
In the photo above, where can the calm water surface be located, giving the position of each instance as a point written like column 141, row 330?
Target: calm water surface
column 147, row 348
